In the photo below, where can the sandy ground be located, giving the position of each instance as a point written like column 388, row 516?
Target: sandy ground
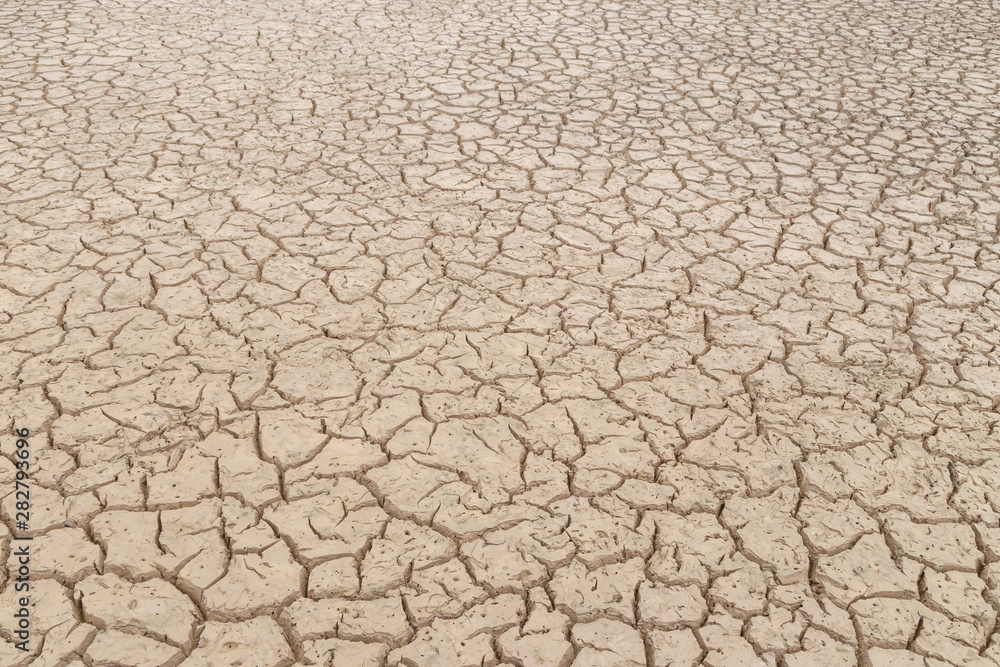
column 447, row 334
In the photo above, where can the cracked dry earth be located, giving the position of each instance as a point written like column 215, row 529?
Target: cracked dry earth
column 476, row 333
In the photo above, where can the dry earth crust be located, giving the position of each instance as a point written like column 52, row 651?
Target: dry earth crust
column 526, row 333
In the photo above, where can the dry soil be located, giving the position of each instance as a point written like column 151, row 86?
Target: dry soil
column 464, row 333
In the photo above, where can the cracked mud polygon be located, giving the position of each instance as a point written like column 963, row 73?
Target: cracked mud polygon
column 444, row 334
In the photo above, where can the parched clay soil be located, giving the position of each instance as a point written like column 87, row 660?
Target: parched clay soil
column 467, row 333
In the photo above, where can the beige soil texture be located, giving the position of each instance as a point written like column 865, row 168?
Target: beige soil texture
column 466, row 333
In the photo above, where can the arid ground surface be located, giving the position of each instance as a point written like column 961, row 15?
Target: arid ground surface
column 448, row 334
